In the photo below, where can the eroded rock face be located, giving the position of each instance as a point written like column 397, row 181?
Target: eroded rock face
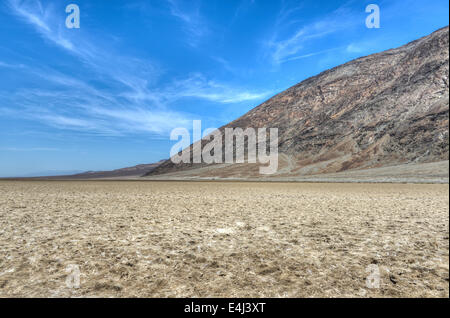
column 384, row 109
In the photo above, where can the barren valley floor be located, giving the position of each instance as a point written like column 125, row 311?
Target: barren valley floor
column 223, row 239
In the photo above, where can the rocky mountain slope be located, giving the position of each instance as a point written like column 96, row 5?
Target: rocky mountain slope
column 385, row 109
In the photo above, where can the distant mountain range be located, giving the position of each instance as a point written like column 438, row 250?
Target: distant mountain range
column 124, row 173
column 385, row 109
column 45, row 173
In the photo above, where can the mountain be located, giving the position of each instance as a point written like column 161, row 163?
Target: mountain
column 385, row 109
column 135, row 171
column 49, row 173
column 123, row 173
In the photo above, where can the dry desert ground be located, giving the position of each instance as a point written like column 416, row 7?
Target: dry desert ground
column 223, row 239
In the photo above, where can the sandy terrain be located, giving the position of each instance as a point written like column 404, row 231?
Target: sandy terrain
column 199, row 239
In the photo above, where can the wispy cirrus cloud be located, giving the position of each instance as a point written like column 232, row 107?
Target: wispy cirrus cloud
column 131, row 105
column 242, row 7
column 31, row 149
column 75, row 104
column 193, row 23
column 129, row 71
column 127, row 101
column 364, row 46
column 34, row 13
column 12, row 66
column 284, row 46
column 198, row 86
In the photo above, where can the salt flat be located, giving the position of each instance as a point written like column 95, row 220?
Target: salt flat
column 223, row 239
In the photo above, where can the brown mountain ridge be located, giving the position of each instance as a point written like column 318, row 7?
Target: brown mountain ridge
column 385, row 109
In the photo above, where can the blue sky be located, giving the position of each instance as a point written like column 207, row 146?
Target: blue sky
column 108, row 94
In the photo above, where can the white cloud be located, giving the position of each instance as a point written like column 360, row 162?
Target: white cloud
column 132, row 104
column 299, row 57
column 8, row 65
column 353, row 48
column 287, row 48
column 41, row 18
column 28, row 149
column 193, row 23
column 198, row 86
column 362, row 46
column 92, row 110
